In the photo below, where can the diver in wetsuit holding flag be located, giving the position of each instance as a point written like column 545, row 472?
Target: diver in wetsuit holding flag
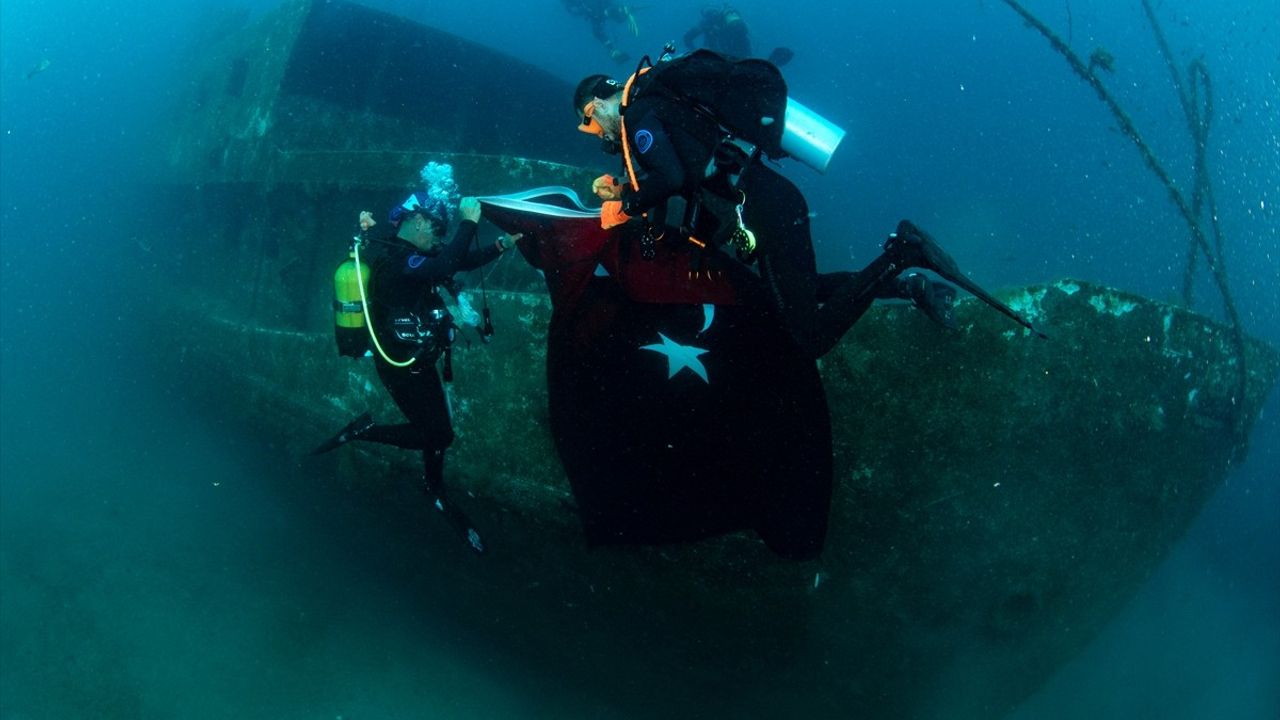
column 683, row 390
column 403, row 322
column 698, row 127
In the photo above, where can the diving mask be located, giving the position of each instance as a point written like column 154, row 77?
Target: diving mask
column 590, row 124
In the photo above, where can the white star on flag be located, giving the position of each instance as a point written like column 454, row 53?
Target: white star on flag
column 680, row 357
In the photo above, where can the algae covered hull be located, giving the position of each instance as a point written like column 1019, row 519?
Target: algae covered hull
column 999, row 498
column 324, row 91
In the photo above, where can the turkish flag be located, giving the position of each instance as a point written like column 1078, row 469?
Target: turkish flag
column 679, row 406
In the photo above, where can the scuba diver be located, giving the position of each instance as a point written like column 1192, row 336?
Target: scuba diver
column 723, row 30
column 673, row 147
column 39, row 67
column 696, row 128
column 412, row 330
column 598, row 13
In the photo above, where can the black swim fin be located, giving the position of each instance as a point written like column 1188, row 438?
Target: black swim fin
column 912, row 247
column 457, row 519
column 352, row 431
column 433, row 486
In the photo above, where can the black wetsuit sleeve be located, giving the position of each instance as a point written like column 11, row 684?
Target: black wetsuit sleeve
column 478, row 257
column 453, row 258
column 659, row 167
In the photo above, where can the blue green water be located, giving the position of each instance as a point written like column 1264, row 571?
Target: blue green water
column 147, row 571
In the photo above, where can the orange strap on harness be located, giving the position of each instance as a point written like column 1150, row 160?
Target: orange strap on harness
column 626, row 137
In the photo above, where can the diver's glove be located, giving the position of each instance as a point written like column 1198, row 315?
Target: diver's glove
column 606, row 188
column 611, row 214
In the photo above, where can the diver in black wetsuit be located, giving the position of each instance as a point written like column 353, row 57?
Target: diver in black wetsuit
column 722, row 29
column 672, row 145
column 413, row 324
column 598, row 14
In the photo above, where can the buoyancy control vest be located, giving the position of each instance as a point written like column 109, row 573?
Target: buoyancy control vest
column 414, row 317
column 408, row 313
column 740, row 101
column 429, row 325
column 746, row 98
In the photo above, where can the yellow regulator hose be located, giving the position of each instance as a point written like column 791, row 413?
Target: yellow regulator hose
column 368, row 322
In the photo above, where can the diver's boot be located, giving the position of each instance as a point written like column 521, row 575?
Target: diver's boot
column 352, row 431
column 912, row 247
column 935, row 299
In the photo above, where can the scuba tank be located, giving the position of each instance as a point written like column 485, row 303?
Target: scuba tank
column 809, row 137
column 348, row 309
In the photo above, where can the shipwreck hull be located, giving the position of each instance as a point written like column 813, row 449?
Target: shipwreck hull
column 999, row 498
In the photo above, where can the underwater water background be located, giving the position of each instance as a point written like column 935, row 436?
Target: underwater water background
column 151, row 564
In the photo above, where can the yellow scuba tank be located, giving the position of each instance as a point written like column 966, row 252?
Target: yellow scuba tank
column 348, row 309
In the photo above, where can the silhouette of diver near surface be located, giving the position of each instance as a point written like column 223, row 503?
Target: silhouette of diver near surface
column 723, row 30
column 598, row 14
column 39, row 67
